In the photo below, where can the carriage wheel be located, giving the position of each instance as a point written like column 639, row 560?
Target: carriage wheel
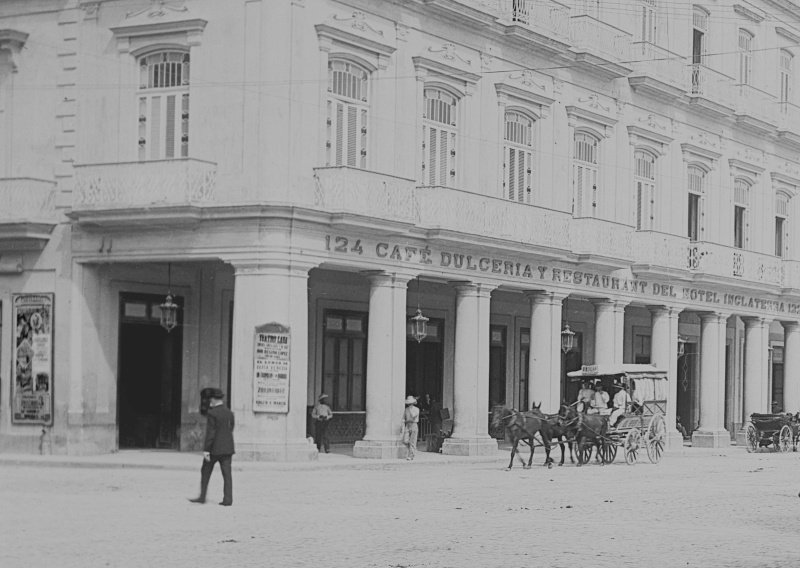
column 609, row 451
column 656, row 438
column 632, row 442
column 751, row 438
column 785, row 439
column 585, row 455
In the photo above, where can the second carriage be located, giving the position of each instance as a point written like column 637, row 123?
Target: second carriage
column 777, row 430
column 644, row 427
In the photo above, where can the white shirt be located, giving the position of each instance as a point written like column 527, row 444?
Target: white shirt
column 600, row 399
column 411, row 415
column 621, row 399
column 585, row 395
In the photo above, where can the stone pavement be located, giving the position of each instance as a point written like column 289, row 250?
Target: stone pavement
column 696, row 508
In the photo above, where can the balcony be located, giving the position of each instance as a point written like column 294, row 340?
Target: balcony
column 600, row 48
column 791, row 276
column 347, row 192
column 711, row 90
column 444, row 210
column 602, row 243
column 478, row 13
column 659, row 254
column 544, row 23
column 756, row 110
column 136, row 192
column 711, row 261
column 657, row 72
column 27, row 213
column 789, row 124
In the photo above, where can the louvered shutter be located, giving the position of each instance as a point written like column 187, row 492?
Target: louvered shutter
column 164, row 106
column 639, row 205
column 439, row 139
column 347, row 116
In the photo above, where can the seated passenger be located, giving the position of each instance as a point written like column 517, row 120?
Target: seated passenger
column 621, row 402
column 600, row 401
column 585, row 396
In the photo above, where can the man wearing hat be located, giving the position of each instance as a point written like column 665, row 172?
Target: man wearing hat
column 621, row 402
column 218, row 447
column 321, row 414
column 411, row 426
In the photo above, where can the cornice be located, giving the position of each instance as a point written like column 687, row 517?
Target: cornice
column 749, row 14
column 788, row 35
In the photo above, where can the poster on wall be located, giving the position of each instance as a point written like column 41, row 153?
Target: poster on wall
column 32, row 359
column 271, row 368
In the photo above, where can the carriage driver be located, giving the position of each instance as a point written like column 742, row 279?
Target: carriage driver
column 585, row 396
column 621, row 402
column 599, row 401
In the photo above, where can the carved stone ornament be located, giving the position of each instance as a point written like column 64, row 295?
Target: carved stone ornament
column 750, row 155
column 486, row 61
column 593, row 101
column 558, row 86
column 90, row 7
column 358, row 21
column 620, row 106
column 448, row 51
column 157, row 22
column 402, row 31
column 526, row 77
column 651, row 122
column 702, row 139
column 789, row 168
column 11, row 42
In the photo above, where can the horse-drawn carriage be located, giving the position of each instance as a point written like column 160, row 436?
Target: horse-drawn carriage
column 642, row 426
column 777, row 430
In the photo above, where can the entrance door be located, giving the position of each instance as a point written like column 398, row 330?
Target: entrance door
column 777, row 381
column 524, row 367
column 497, row 373
column 149, row 383
column 687, row 383
column 424, row 363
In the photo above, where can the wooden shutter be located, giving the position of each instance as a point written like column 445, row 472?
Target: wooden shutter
column 347, row 116
column 439, row 139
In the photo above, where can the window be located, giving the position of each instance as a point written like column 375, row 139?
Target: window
column 741, row 221
column 644, row 178
column 439, row 135
column 649, row 20
column 699, row 41
column 745, row 57
column 348, row 112
column 164, row 105
column 697, row 188
column 584, row 175
column 781, row 224
column 344, row 360
column 518, row 157
column 786, row 78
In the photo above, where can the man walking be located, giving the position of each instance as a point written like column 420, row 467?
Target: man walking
column 410, row 427
column 218, row 447
column 322, row 414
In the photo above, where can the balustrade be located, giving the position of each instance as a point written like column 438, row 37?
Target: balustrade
column 720, row 260
column 789, row 117
column 790, row 274
column 590, row 34
column 712, row 85
column 144, row 184
column 756, row 103
column 598, row 237
column 27, row 200
column 652, row 60
column 545, row 16
column 660, row 249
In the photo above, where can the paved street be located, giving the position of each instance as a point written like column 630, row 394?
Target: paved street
column 697, row 508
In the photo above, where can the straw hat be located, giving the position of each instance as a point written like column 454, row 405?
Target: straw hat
column 322, row 397
column 411, row 400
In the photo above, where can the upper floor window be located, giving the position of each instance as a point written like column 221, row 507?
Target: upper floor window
column 584, row 174
column 645, row 180
column 439, row 137
column 786, row 68
column 648, row 20
column 781, row 224
column 696, row 185
column 741, row 212
column 347, row 114
column 518, row 157
column 164, row 105
column 699, row 34
column 745, row 57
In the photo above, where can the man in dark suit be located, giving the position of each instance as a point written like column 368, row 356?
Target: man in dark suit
column 218, row 447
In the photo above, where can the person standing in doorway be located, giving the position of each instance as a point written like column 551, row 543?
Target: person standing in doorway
column 322, row 414
column 411, row 427
column 218, row 447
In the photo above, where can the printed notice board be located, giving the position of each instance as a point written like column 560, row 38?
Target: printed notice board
column 32, row 359
column 271, row 368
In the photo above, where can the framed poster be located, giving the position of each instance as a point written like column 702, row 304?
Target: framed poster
column 271, row 368
column 32, row 359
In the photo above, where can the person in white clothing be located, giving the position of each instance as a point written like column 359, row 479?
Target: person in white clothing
column 621, row 402
column 600, row 401
column 411, row 427
column 585, row 396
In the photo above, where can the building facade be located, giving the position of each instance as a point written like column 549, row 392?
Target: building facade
column 303, row 175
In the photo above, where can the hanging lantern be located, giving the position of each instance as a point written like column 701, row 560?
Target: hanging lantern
column 169, row 309
column 567, row 339
column 681, row 346
column 419, row 326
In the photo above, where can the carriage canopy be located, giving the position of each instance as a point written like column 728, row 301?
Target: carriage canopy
column 648, row 384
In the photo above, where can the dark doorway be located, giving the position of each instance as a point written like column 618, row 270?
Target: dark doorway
column 425, row 362
column 777, row 381
column 571, row 361
column 687, row 383
column 150, row 370
column 497, row 365
column 524, row 368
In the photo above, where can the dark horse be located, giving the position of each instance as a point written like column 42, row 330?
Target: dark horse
column 522, row 426
column 590, row 431
column 560, row 429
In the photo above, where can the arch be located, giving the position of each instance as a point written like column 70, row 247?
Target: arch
column 697, row 173
column 442, row 108
column 700, row 15
column 532, row 115
column 348, row 80
column 586, row 143
column 521, row 134
column 351, row 58
column 156, row 47
column 656, row 152
column 647, row 154
column 164, row 69
column 449, row 88
column 742, row 187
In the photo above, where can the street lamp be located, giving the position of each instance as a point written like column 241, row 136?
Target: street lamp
column 567, row 335
column 419, row 323
column 681, row 345
column 169, row 309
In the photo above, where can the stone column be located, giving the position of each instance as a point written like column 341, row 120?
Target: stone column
column 756, row 363
column 267, row 291
column 609, row 331
column 664, row 355
column 791, row 366
column 471, row 373
column 544, row 371
column 711, row 432
column 386, row 365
